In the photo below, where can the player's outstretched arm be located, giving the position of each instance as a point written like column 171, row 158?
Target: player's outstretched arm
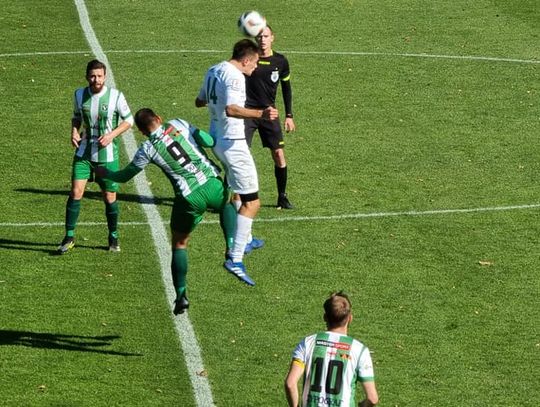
column 122, row 175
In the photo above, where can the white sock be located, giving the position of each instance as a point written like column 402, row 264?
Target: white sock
column 243, row 231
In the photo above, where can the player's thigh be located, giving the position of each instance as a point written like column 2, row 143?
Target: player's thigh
column 106, row 184
column 250, row 125
column 239, row 165
column 187, row 214
column 216, row 194
column 271, row 134
column 81, row 169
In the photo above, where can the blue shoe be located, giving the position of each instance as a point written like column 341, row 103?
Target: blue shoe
column 253, row 245
column 239, row 271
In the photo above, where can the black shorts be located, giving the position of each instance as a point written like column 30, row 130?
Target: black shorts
column 270, row 132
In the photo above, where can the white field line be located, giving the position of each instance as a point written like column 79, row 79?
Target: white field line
column 184, row 328
column 307, row 53
column 310, row 218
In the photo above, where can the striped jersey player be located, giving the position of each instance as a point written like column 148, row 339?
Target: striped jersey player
column 176, row 148
column 100, row 115
column 331, row 363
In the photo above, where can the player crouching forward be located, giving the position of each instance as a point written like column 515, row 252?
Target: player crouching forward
column 175, row 147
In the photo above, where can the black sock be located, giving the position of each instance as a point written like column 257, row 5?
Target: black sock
column 281, row 179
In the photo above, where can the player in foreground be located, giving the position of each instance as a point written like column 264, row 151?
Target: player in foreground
column 332, row 363
column 98, row 109
column 224, row 92
column 175, row 147
column 272, row 69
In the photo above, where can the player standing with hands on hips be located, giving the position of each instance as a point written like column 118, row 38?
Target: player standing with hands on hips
column 272, row 68
column 224, row 93
column 98, row 109
column 332, row 362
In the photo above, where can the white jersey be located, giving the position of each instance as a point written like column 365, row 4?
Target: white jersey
column 224, row 85
column 333, row 364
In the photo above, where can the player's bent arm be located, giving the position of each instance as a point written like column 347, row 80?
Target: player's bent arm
column 291, row 383
column 372, row 397
column 239, row 112
column 106, row 139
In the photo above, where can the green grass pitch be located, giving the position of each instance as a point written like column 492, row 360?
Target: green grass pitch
column 412, row 106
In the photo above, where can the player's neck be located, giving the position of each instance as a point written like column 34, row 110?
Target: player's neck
column 267, row 53
column 342, row 330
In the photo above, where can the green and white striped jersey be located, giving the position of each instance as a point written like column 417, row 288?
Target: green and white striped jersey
column 333, row 364
column 174, row 147
column 99, row 114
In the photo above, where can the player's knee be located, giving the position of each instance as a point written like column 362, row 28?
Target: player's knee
column 279, row 158
column 250, row 199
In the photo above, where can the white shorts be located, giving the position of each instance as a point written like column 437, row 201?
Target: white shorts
column 239, row 165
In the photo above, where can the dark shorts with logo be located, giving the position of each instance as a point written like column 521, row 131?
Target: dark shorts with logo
column 270, row 132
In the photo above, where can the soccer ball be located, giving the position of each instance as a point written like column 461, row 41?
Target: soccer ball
column 251, row 23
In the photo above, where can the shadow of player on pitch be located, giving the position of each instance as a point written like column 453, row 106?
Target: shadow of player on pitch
column 96, row 195
column 79, row 343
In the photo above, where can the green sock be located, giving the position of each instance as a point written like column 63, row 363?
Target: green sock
column 179, row 268
column 227, row 221
column 112, row 210
column 73, row 208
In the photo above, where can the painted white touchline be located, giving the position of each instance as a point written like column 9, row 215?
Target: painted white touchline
column 344, row 53
column 184, row 328
column 310, row 218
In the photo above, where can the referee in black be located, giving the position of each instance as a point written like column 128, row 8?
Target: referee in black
column 261, row 90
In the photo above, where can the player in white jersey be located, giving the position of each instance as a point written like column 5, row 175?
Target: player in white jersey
column 103, row 114
column 224, row 93
column 331, row 363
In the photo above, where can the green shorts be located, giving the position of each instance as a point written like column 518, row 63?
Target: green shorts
column 84, row 169
column 187, row 212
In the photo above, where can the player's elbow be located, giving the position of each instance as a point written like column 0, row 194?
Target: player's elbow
column 290, row 385
column 230, row 110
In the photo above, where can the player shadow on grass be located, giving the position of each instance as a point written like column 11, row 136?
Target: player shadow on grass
column 97, row 196
column 77, row 343
column 40, row 247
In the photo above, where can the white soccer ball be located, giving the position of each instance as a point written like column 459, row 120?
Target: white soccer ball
column 251, row 23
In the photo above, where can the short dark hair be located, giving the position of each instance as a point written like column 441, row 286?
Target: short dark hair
column 144, row 118
column 337, row 309
column 95, row 64
column 244, row 48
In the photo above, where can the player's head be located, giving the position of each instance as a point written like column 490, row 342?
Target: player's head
column 147, row 121
column 246, row 55
column 337, row 310
column 95, row 75
column 265, row 39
